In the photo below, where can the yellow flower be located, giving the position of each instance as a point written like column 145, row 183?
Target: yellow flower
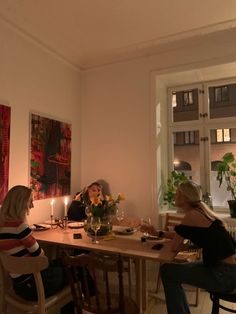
column 96, row 201
column 109, row 198
column 121, row 197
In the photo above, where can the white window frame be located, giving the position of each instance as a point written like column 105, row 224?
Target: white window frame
column 203, row 125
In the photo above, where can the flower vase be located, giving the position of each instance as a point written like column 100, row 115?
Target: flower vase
column 106, row 227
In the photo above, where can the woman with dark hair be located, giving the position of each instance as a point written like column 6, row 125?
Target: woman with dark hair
column 83, row 199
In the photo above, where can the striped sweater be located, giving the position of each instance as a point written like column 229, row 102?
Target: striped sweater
column 16, row 239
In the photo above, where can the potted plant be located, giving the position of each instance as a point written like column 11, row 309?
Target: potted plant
column 226, row 171
column 176, row 177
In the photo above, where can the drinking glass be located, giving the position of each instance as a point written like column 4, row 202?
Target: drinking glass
column 146, row 222
column 88, row 211
column 120, row 215
column 95, row 225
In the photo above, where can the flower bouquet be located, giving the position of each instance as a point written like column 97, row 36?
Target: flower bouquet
column 104, row 208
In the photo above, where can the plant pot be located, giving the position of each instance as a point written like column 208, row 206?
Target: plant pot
column 232, row 208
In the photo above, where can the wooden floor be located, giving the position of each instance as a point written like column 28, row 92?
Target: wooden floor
column 157, row 304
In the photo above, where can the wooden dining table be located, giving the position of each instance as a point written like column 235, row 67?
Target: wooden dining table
column 129, row 245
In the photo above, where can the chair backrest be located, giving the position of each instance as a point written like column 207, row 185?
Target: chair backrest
column 28, row 265
column 107, row 273
column 22, row 265
column 172, row 220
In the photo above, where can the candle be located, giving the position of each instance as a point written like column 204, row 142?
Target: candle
column 65, row 206
column 52, row 209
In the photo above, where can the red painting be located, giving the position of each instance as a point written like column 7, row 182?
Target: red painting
column 5, row 115
column 50, row 162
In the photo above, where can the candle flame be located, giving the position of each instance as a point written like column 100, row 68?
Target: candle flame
column 66, row 201
column 52, row 201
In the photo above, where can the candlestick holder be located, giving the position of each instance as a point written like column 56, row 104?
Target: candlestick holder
column 51, row 221
column 54, row 222
column 65, row 222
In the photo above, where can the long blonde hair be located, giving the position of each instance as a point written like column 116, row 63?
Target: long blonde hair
column 15, row 204
column 193, row 196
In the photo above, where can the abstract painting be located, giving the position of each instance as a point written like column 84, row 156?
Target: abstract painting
column 5, row 115
column 50, row 160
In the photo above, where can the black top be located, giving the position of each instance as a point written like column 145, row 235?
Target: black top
column 76, row 211
column 215, row 241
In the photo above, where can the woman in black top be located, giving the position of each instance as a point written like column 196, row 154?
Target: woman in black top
column 217, row 270
column 82, row 199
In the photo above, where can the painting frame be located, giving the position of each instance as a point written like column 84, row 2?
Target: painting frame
column 5, row 126
column 50, row 156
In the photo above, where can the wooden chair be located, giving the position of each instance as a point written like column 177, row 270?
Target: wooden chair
column 216, row 306
column 28, row 265
column 107, row 272
column 191, row 255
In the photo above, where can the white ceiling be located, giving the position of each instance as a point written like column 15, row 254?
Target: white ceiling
column 88, row 33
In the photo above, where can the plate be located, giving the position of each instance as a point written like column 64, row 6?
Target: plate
column 76, row 225
column 40, row 227
column 125, row 231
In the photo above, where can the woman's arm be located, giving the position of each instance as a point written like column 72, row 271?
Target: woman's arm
column 28, row 241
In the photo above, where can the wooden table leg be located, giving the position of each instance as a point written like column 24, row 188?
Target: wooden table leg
column 141, row 284
column 144, row 286
column 138, row 277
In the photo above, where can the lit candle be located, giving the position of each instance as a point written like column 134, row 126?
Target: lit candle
column 52, row 209
column 65, row 206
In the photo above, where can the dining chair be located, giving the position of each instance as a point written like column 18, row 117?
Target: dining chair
column 216, row 305
column 190, row 255
column 28, row 265
column 108, row 275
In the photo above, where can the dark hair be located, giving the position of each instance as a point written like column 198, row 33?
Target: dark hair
column 96, row 184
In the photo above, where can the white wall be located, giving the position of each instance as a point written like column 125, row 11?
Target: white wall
column 119, row 109
column 32, row 79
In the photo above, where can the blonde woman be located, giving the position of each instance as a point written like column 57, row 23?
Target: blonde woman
column 217, row 270
column 16, row 239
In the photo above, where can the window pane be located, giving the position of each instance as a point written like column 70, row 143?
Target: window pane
column 226, row 135
column 222, row 101
column 225, row 93
column 186, row 108
column 174, row 104
column 219, row 135
column 219, row 194
column 186, row 156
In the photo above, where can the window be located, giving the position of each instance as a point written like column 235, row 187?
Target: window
column 174, row 103
column 221, row 94
column 222, row 135
column 188, row 98
column 189, row 137
column 201, row 130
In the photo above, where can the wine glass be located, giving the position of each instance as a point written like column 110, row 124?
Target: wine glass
column 95, row 225
column 120, row 214
column 146, row 223
column 88, row 212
